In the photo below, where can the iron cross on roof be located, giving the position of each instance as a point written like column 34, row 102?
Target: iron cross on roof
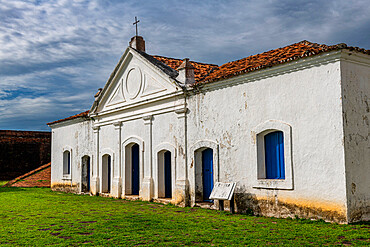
column 135, row 23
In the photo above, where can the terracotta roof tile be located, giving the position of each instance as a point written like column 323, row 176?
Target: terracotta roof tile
column 82, row 114
column 39, row 177
column 201, row 69
column 271, row 58
column 206, row 73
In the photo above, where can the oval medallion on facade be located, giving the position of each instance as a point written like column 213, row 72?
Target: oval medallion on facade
column 133, row 82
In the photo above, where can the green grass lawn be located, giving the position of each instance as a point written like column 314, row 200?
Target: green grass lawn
column 3, row 182
column 37, row 216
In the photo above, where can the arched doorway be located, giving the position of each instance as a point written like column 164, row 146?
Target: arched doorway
column 135, row 170
column 85, row 174
column 205, row 161
column 207, row 173
column 164, row 174
column 106, row 173
column 132, row 167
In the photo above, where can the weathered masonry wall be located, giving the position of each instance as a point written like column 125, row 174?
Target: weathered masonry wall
column 306, row 105
column 77, row 138
column 356, row 119
column 22, row 151
column 319, row 104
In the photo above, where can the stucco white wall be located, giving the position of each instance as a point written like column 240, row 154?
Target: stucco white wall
column 108, row 146
column 128, row 110
column 77, row 137
column 355, row 72
column 134, row 131
column 309, row 100
column 164, row 138
column 322, row 103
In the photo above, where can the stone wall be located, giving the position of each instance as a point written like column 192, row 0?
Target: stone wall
column 22, row 151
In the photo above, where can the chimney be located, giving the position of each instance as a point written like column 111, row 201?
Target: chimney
column 186, row 73
column 138, row 43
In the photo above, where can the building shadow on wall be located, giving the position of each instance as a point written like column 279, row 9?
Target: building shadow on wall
column 246, row 203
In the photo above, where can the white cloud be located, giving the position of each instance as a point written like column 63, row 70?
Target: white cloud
column 55, row 54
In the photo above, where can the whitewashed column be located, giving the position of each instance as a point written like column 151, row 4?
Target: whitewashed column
column 182, row 183
column 147, row 188
column 117, row 186
column 95, row 182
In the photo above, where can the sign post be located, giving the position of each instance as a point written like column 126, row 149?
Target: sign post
column 223, row 191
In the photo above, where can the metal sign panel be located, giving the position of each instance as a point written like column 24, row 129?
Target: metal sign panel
column 222, row 191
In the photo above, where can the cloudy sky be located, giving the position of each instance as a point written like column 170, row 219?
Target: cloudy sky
column 54, row 55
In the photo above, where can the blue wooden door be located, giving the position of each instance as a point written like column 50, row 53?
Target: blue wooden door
column 109, row 173
column 274, row 155
column 167, row 175
column 135, row 179
column 88, row 173
column 207, row 170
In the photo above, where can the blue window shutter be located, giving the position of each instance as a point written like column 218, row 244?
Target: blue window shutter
column 274, row 155
column 281, row 165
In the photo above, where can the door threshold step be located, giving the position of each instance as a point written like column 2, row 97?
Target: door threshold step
column 208, row 205
column 132, row 197
column 163, row 200
column 105, row 194
column 85, row 193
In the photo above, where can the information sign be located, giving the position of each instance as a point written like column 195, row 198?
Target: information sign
column 222, row 191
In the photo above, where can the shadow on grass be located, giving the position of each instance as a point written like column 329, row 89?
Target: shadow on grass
column 10, row 189
column 361, row 223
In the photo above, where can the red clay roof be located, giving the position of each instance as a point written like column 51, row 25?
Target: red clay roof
column 271, row 58
column 39, row 177
column 82, row 114
column 201, row 69
column 206, row 73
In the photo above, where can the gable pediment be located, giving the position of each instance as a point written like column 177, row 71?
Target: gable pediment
column 135, row 80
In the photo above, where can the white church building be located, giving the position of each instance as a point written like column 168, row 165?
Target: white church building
column 289, row 126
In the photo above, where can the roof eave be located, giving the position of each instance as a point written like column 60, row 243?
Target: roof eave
column 68, row 121
column 299, row 64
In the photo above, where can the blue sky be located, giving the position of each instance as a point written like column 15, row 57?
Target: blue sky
column 54, row 55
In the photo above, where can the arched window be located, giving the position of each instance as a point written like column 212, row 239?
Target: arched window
column 272, row 145
column 274, row 155
column 66, row 162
